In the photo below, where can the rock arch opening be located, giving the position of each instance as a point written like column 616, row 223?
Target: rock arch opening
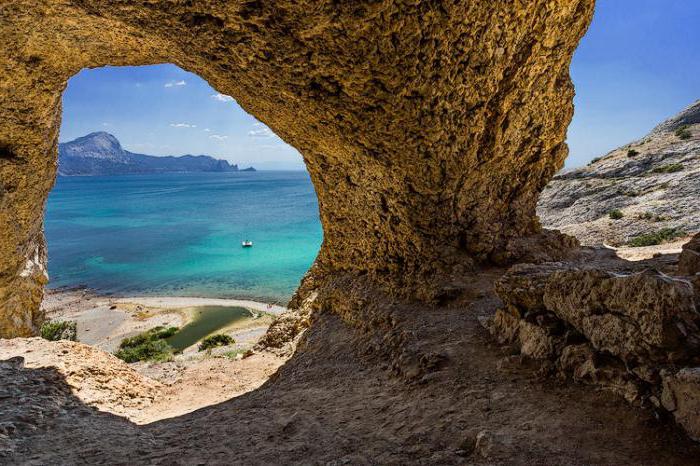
column 145, row 259
column 125, row 127
column 428, row 130
column 427, row 144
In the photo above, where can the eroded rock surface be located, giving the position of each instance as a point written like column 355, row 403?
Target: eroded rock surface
column 632, row 328
column 97, row 378
column 654, row 183
column 428, row 128
column 337, row 401
column 689, row 260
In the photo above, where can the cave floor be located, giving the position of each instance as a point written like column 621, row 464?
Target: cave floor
column 333, row 404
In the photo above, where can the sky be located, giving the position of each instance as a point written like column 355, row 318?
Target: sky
column 164, row 110
column 638, row 64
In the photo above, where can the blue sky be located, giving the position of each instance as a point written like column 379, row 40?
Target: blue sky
column 164, row 110
column 638, row 65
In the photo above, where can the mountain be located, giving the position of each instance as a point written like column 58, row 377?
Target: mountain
column 648, row 188
column 101, row 153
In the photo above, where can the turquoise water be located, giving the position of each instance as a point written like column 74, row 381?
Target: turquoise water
column 207, row 319
column 180, row 234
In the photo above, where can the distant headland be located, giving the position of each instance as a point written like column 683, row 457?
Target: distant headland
column 100, row 153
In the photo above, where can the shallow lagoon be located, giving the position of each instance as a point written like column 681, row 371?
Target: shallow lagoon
column 207, row 319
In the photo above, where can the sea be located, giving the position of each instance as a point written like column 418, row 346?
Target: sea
column 180, row 234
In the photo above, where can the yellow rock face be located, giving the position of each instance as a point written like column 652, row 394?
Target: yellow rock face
column 428, row 128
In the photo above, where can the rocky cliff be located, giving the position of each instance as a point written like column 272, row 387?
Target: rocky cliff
column 632, row 328
column 428, row 128
column 648, row 187
column 101, row 153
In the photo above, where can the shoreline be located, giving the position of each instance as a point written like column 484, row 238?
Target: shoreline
column 176, row 302
column 104, row 321
column 148, row 391
column 163, row 301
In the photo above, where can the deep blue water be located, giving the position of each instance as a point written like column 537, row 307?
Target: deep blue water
column 180, row 234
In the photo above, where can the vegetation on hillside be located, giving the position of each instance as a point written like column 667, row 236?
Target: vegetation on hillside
column 60, row 330
column 670, row 168
column 147, row 346
column 658, row 237
column 615, row 214
column 651, row 216
column 683, row 133
column 213, row 341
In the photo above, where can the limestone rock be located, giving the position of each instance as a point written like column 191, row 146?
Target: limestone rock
column 535, row 341
column 654, row 181
column 428, row 128
column 523, row 286
column 99, row 379
column 681, row 396
column 609, row 323
column 689, row 260
column 505, row 326
column 636, row 317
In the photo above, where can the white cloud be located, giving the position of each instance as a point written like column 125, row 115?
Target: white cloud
column 182, row 125
column 175, row 83
column 105, row 124
column 222, row 97
column 218, row 137
column 207, row 130
column 261, row 131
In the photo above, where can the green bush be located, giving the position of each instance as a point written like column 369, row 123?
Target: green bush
column 596, row 159
column 233, row 354
column 670, row 168
column 683, row 133
column 632, row 153
column 147, row 346
column 652, row 239
column 616, row 214
column 651, row 216
column 60, row 330
column 156, row 350
column 156, row 333
column 213, row 341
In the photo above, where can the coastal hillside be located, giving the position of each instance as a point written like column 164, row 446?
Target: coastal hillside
column 644, row 193
column 101, row 153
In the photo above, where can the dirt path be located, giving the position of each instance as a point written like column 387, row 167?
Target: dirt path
column 337, row 402
column 647, row 252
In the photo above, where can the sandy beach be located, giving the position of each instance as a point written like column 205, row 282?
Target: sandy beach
column 191, row 380
column 103, row 321
column 179, row 302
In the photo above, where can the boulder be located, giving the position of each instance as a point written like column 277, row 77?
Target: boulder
column 623, row 329
column 681, row 396
column 636, row 317
column 689, row 260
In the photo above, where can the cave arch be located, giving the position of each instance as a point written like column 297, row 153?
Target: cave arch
column 428, row 128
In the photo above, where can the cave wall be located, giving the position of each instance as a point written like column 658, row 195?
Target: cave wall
column 428, row 127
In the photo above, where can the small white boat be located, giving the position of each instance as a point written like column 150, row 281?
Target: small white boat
column 247, row 244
